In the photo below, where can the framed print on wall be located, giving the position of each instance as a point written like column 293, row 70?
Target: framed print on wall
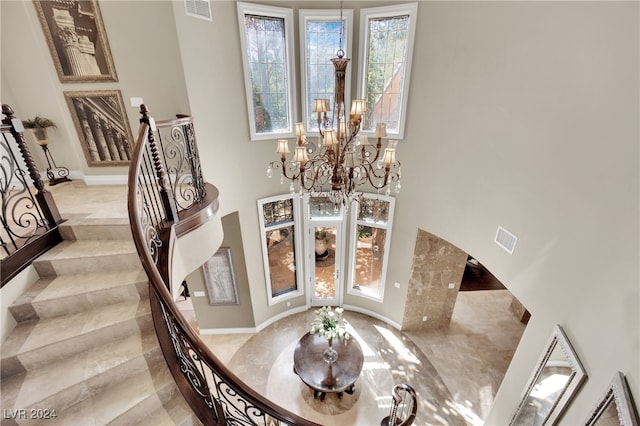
column 102, row 126
column 219, row 279
column 77, row 40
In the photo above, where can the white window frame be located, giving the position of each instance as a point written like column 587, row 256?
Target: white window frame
column 410, row 9
column 327, row 15
column 309, row 224
column 272, row 12
column 297, row 240
column 354, row 222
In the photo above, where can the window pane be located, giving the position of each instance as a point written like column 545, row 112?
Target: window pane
column 323, row 207
column 325, row 262
column 370, row 245
column 277, row 212
column 266, row 54
column 372, row 210
column 282, row 260
column 386, row 59
column 322, row 44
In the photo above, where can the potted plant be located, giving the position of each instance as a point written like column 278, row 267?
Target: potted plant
column 322, row 239
column 38, row 126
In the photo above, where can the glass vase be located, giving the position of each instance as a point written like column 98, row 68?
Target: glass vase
column 330, row 355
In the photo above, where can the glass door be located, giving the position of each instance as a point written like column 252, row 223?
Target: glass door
column 325, row 245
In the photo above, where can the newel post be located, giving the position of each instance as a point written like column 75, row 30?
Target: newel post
column 167, row 199
column 44, row 197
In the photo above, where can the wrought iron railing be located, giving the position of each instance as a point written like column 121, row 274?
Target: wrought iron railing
column 404, row 406
column 28, row 215
column 166, row 190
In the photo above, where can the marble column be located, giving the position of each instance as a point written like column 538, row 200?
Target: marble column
column 108, row 130
column 434, row 283
column 126, row 147
column 118, row 139
column 99, row 134
column 69, row 40
column 86, row 130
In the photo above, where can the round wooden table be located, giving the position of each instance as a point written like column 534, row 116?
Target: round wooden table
column 321, row 376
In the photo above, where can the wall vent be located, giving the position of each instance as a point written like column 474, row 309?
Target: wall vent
column 198, row 8
column 506, row 240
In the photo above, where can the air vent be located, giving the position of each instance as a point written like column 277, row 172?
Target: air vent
column 506, row 240
column 198, row 8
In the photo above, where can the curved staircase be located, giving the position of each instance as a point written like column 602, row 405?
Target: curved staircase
column 85, row 349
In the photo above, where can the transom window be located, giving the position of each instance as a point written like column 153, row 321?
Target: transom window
column 266, row 40
column 386, row 45
column 321, row 32
column 383, row 67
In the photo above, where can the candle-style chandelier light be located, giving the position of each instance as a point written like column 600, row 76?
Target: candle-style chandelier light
column 346, row 159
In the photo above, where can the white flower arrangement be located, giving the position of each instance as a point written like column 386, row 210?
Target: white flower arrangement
column 330, row 324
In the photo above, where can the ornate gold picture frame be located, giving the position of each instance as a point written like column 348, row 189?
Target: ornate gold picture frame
column 102, row 126
column 77, row 40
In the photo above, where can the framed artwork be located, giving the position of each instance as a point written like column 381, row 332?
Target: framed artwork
column 616, row 406
column 553, row 384
column 219, row 279
column 77, row 40
column 102, row 126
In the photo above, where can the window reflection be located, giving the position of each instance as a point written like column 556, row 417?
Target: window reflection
column 369, row 257
column 282, row 265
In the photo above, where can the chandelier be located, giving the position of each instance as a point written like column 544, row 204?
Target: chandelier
column 346, row 160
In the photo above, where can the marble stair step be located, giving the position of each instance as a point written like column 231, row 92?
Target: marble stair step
column 69, row 294
column 38, row 342
column 136, row 394
column 164, row 389
column 96, row 229
column 176, row 411
column 82, row 257
column 68, row 381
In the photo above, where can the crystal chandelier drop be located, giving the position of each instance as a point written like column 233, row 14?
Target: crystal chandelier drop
column 345, row 160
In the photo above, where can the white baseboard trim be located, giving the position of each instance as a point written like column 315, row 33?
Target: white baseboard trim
column 106, row 180
column 373, row 314
column 213, row 331
column 265, row 324
column 258, row 328
column 280, row 316
column 93, row 179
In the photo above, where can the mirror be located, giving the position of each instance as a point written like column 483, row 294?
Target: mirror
column 557, row 377
column 616, row 407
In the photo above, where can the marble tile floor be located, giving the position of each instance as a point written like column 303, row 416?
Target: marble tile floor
column 456, row 370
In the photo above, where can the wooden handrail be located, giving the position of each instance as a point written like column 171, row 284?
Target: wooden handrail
column 216, row 395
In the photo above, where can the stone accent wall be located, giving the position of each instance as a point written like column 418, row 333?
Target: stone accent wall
column 519, row 311
column 436, row 263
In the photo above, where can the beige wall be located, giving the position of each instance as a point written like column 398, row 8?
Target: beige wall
column 238, row 316
column 521, row 114
column 142, row 37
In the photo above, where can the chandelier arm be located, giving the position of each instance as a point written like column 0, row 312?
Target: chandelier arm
column 387, row 175
column 284, row 167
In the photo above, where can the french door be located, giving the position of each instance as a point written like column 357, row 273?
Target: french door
column 325, row 229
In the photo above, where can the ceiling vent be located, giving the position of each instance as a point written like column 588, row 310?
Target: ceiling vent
column 198, row 9
column 506, row 240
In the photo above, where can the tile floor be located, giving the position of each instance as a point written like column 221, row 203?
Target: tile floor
column 456, row 370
